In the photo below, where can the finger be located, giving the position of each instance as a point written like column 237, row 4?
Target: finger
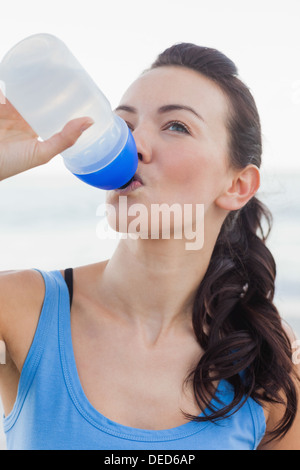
column 64, row 139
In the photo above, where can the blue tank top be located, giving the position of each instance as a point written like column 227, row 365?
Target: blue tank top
column 52, row 412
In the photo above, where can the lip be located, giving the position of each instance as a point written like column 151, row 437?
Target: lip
column 136, row 183
column 138, row 178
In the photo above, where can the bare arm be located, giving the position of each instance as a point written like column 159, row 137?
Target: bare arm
column 22, row 292
column 20, row 150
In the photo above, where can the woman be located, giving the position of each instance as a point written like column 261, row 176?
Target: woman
column 165, row 347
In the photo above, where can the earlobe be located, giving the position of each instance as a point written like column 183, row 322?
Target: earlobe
column 243, row 187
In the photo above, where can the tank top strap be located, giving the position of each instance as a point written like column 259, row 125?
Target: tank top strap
column 69, row 281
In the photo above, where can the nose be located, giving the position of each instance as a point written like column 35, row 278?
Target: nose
column 142, row 140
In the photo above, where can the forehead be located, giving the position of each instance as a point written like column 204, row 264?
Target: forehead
column 174, row 84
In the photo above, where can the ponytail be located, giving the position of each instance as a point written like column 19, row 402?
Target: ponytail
column 237, row 324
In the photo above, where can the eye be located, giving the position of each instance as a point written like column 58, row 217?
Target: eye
column 130, row 126
column 177, row 126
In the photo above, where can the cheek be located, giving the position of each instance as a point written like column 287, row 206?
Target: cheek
column 192, row 177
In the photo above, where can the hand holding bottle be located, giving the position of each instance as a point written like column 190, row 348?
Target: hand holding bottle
column 20, row 148
column 49, row 88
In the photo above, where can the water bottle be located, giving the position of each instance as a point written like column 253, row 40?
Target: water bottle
column 49, row 87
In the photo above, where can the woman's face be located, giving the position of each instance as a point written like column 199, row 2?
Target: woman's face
column 178, row 120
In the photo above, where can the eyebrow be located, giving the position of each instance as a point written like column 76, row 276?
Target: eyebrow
column 163, row 109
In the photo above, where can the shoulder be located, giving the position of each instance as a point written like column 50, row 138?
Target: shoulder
column 21, row 299
column 19, row 289
column 88, row 278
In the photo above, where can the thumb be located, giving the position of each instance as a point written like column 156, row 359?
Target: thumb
column 63, row 139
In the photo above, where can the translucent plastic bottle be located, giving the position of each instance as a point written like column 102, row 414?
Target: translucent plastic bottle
column 49, row 87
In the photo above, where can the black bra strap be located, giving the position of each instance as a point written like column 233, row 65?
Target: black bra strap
column 69, row 282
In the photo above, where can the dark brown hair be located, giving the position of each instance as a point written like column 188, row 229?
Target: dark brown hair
column 234, row 317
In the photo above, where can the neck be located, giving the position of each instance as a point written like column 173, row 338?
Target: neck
column 153, row 283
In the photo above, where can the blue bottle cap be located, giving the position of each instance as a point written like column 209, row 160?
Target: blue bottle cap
column 118, row 172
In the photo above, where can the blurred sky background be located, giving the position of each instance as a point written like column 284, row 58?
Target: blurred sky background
column 115, row 40
column 48, row 218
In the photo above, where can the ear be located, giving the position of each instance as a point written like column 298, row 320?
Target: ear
column 243, row 187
